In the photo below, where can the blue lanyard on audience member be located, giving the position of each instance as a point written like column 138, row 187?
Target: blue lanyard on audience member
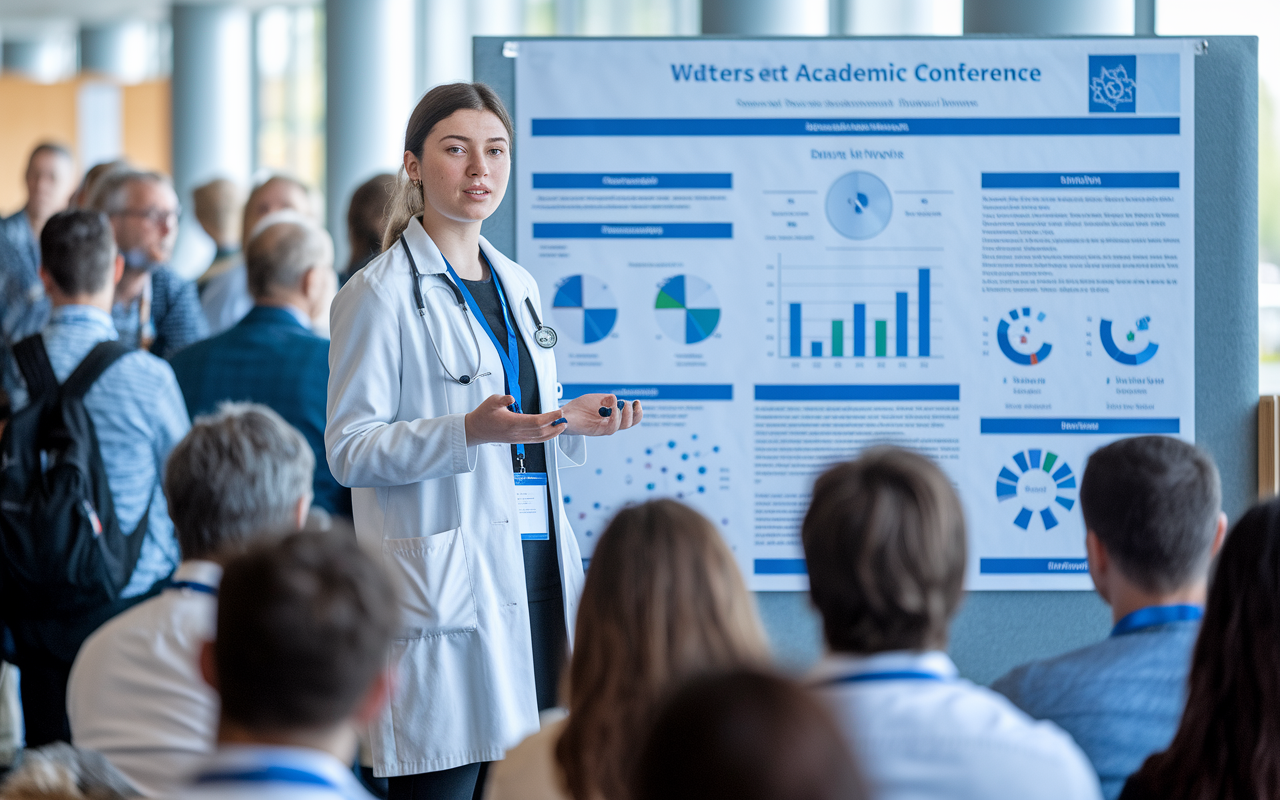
column 509, row 355
column 1151, row 616
column 267, row 774
column 896, row 675
column 203, row 588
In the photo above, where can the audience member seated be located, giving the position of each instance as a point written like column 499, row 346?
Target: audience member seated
column 1151, row 507
column 367, row 221
column 225, row 297
column 138, row 416
column 23, row 306
column 135, row 693
column 1225, row 745
column 745, row 736
column 300, row 660
column 663, row 601
column 219, row 206
column 884, row 539
column 154, row 308
column 271, row 356
column 62, row 772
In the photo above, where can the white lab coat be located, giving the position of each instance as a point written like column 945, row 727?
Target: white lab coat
column 441, row 515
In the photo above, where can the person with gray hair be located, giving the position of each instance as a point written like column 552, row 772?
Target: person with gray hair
column 272, row 356
column 135, row 693
column 154, row 308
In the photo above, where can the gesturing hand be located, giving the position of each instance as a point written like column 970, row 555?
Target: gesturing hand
column 587, row 415
column 492, row 421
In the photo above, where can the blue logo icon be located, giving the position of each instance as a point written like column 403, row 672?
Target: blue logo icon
column 1113, row 84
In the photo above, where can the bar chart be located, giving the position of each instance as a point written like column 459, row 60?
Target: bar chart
column 855, row 311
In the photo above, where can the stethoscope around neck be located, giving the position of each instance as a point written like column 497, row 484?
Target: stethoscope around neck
column 545, row 336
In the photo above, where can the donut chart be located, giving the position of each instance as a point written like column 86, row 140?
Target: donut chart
column 1141, row 328
column 1018, row 340
column 1038, row 485
column 859, row 205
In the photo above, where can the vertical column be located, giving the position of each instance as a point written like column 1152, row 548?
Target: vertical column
column 1050, row 17
column 924, row 313
column 882, row 338
column 900, row 337
column 766, row 17
column 859, row 330
column 123, row 50
column 794, row 338
column 837, row 338
column 815, row 349
column 212, row 83
column 369, row 95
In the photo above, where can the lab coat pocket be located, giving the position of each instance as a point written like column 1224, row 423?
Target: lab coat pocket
column 436, row 597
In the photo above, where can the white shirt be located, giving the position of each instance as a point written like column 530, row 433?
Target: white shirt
column 264, row 772
column 225, row 298
column 919, row 731
column 136, row 694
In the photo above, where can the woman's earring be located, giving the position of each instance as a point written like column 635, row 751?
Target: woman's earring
column 417, row 184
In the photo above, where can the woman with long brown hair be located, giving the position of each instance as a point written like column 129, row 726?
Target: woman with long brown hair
column 664, row 601
column 1228, row 742
column 444, row 416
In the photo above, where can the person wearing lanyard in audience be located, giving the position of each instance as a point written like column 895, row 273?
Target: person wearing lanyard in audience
column 443, row 419
column 299, row 660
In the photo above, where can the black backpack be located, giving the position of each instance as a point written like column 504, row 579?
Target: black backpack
column 63, row 559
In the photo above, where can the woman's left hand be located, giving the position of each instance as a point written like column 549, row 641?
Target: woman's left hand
column 600, row 415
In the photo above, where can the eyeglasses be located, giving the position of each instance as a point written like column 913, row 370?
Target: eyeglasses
column 153, row 215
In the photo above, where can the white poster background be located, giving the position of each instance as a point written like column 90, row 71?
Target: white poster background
column 684, row 204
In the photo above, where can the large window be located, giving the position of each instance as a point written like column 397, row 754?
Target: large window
column 289, row 84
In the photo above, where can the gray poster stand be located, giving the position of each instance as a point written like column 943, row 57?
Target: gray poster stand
column 998, row 630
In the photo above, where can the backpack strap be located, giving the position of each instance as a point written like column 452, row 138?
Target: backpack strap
column 103, row 355
column 33, row 361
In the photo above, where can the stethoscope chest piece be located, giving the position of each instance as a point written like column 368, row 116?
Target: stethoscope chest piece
column 545, row 337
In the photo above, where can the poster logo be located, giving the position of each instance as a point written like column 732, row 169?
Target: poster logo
column 1113, row 84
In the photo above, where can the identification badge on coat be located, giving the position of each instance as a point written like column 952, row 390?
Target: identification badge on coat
column 531, row 506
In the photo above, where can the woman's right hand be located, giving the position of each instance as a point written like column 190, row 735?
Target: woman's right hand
column 492, row 421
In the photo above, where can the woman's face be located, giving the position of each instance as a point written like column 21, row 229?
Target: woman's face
column 465, row 164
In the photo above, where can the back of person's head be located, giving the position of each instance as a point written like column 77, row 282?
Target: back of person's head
column 367, row 219
column 663, row 600
column 61, row 772
column 1226, row 744
column 238, row 472
column 280, row 254
column 884, row 540
column 78, row 251
column 304, row 624
column 1153, row 502
column 85, row 195
column 217, row 208
column 745, row 736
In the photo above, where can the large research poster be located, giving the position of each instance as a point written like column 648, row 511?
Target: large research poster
column 791, row 250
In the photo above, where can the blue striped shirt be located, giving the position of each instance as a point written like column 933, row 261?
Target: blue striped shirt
column 138, row 414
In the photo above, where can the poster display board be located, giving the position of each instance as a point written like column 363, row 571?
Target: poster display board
column 793, row 250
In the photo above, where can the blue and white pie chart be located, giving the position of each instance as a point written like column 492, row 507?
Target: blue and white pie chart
column 584, row 309
column 859, row 205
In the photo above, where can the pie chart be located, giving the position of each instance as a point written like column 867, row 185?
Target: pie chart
column 584, row 308
column 1134, row 346
column 859, row 205
column 687, row 309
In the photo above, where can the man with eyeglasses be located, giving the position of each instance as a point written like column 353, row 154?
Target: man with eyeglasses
column 153, row 308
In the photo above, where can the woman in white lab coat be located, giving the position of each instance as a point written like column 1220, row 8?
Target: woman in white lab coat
column 435, row 345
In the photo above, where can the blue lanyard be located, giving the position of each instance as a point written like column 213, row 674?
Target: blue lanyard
column 899, row 675
column 1151, row 616
column 509, row 355
column 268, row 774
column 195, row 587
